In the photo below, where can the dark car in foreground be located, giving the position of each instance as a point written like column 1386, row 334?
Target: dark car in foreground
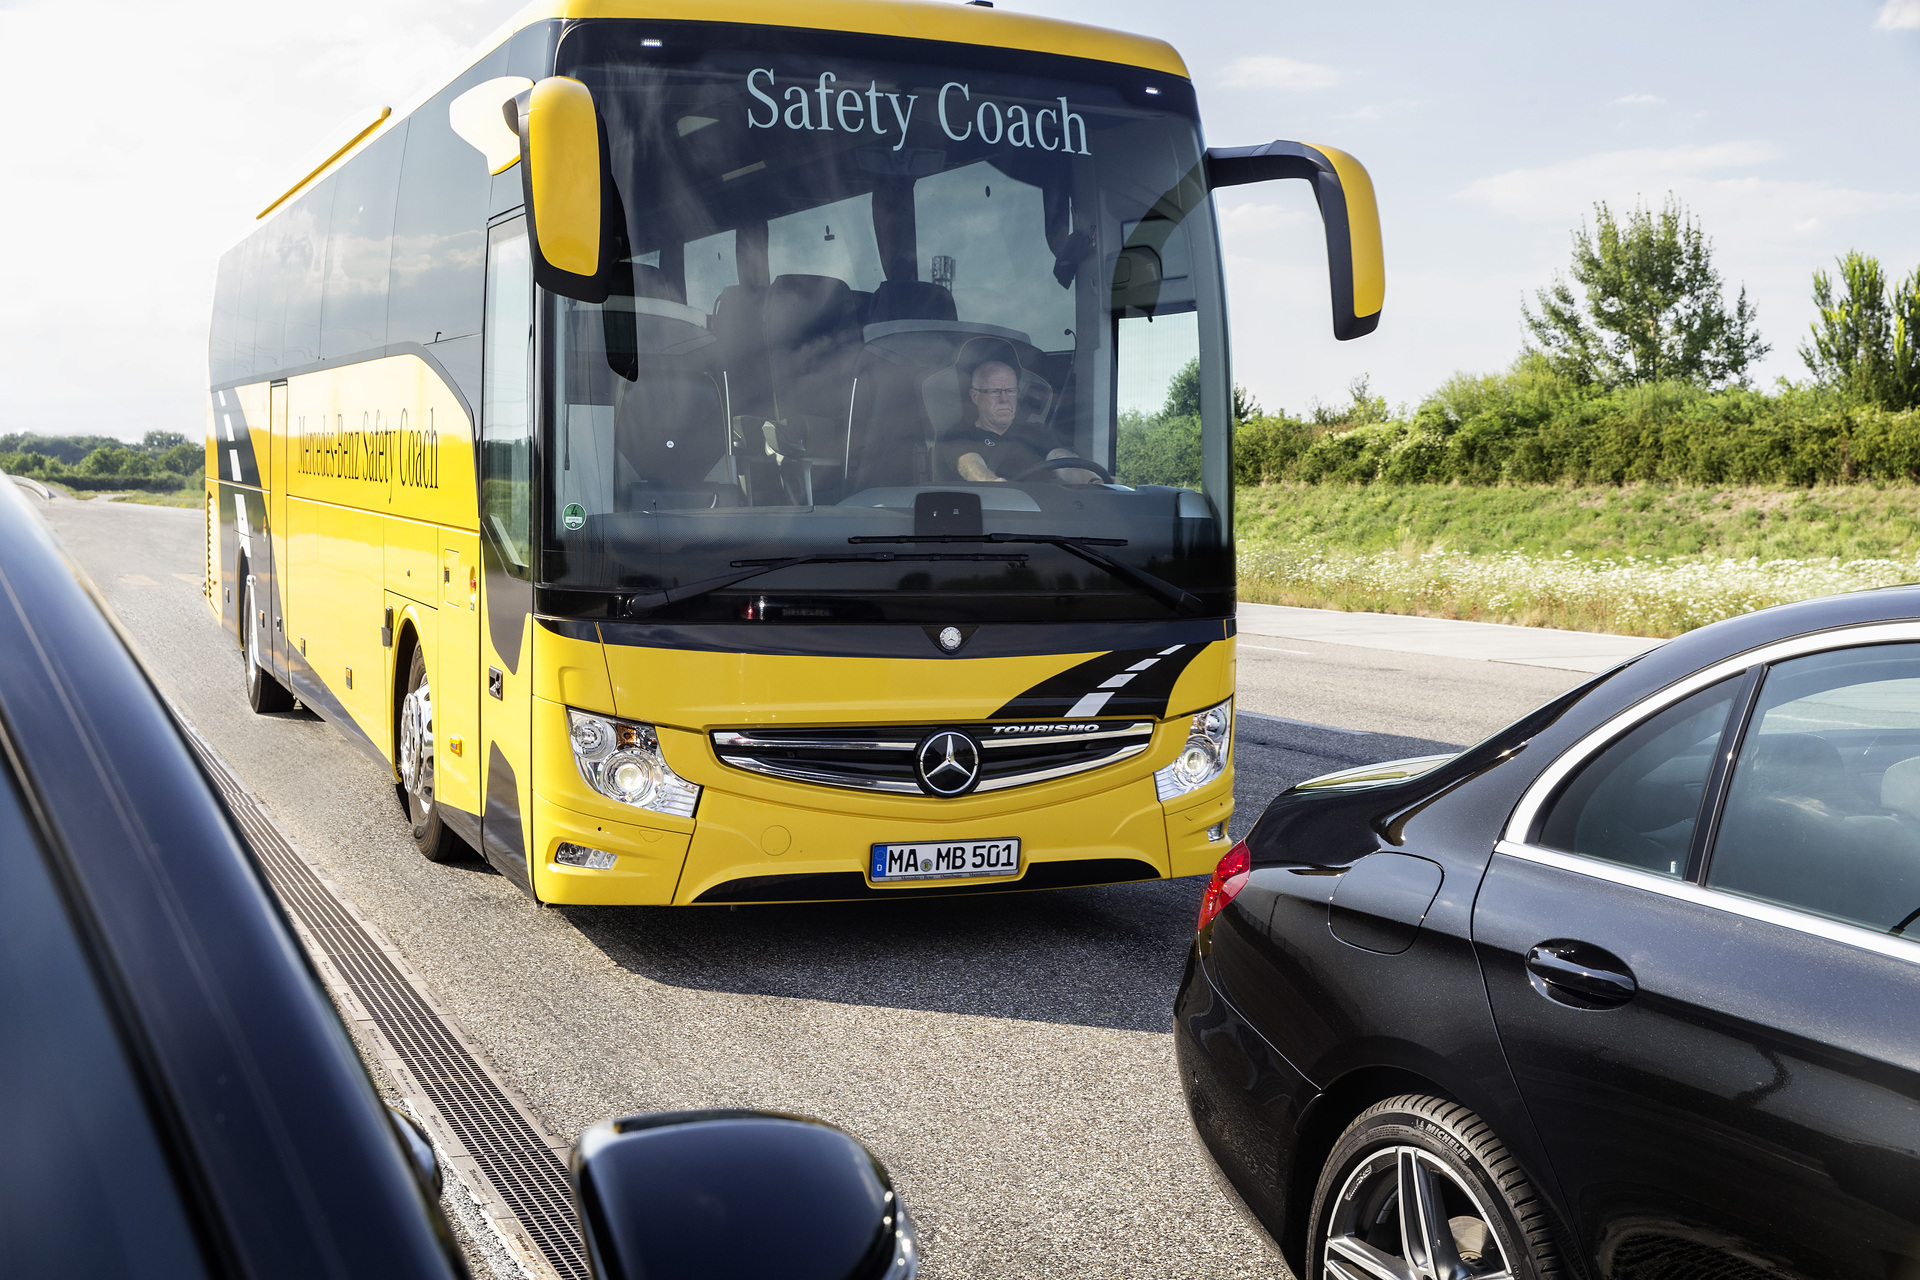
column 1630, row 989
column 178, row 1098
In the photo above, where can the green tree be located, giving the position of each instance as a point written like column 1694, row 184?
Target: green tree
column 1183, row 396
column 1652, row 307
column 161, row 441
column 184, row 459
column 1866, row 343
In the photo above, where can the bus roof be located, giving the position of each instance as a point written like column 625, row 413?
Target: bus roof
column 945, row 20
column 917, row 19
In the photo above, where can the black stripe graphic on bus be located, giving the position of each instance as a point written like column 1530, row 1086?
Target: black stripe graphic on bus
column 502, row 842
column 232, row 441
column 1126, row 682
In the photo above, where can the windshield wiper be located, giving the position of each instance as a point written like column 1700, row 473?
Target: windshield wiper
column 1087, row 549
column 644, row 601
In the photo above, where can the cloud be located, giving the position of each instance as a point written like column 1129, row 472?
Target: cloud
column 1640, row 100
column 1899, row 15
column 1549, row 191
column 137, row 201
column 1280, row 73
column 1253, row 217
column 1379, row 110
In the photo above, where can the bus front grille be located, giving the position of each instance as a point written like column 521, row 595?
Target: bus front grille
column 885, row 759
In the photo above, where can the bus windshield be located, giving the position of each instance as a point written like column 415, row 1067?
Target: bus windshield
column 873, row 293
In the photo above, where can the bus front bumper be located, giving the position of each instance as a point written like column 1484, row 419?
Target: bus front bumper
column 748, row 849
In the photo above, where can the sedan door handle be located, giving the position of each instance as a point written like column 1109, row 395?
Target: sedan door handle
column 1580, row 974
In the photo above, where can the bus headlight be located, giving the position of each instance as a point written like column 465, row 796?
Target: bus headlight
column 1209, row 738
column 622, row 761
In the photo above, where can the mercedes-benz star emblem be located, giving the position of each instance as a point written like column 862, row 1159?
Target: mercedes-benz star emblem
column 950, row 638
column 948, row 763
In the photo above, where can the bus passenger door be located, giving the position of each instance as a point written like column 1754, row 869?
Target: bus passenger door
column 506, row 551
column 459, row 753
column 273, row 482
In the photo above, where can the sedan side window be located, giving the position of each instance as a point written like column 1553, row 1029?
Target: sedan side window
column 1638, row 801
column 1824, row 810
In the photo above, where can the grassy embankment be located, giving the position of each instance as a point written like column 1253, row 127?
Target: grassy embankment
column 1642, row 559
column 1525, row 497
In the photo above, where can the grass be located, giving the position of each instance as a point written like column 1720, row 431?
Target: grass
column 1854, row 522
column 178, row 498
column 1640, row 560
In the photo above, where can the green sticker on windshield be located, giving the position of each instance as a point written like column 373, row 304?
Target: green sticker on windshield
column 574, row 516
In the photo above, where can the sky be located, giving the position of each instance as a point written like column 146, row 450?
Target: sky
column 148, row 136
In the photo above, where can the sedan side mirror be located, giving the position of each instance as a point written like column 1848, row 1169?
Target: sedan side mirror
column 1341, row 185
column 737, row 1195
column 566, row 184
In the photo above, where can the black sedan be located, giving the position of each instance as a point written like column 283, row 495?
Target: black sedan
column 179, row 1099
column 1630, row 989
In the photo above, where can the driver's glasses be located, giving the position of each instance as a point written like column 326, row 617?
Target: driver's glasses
column 997, row 393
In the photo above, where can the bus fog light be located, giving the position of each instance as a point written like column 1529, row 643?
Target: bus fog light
column 1204, row 758
column 621, row 760
column 578, row 855
column 1216, row 833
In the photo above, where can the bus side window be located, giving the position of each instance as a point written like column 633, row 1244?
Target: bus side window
column 506, row 456
column 353, row 317
column 439, row 222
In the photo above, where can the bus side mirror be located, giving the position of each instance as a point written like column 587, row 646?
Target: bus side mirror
column 736, row 1195
column 565, row 180
column 1355, row 262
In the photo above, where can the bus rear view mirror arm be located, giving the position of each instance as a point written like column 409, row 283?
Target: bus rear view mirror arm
column 568, row 188
column 1355, row 264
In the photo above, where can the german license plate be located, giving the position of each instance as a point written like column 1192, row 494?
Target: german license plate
column 944, row 860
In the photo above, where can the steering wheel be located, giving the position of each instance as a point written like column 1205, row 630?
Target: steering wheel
column 1063, row 464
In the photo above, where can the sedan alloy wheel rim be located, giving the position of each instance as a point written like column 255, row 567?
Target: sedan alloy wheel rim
column 1403, row 1215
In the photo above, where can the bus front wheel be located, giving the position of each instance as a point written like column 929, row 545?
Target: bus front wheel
column 265, row 694
column 430, row 835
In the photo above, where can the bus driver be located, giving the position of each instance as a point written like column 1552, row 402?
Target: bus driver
column 990, row 449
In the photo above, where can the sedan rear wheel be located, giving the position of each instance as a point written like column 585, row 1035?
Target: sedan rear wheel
column 1420, row 1189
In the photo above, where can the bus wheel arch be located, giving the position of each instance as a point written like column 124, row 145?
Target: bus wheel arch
column 405, row 641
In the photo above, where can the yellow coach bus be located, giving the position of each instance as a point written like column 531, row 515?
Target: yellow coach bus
column 714, row 453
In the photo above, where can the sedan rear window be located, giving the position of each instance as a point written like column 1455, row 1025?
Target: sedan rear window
column 1824, row 810
column 1637, row 802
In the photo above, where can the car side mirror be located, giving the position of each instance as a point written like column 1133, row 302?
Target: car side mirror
column 737, row 1195
column 1356, row 263
column 567, row 186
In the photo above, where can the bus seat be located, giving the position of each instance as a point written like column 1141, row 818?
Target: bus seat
column 671, row 431
column 910, row 300
column 887, row 427
column 813, row 340
column 739, row 324
column 813, row 345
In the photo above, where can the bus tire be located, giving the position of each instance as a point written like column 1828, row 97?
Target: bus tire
column 265, row 693
column 430, row 835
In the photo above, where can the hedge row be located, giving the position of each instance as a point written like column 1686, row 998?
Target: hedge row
column 113, row 467
column 1529, row 427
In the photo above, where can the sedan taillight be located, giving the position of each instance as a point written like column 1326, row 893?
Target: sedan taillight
column 1228, row 879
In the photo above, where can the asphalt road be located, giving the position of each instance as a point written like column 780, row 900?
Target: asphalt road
column 1008, row 1058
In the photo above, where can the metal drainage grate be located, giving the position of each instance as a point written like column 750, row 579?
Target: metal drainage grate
column 510, row 1153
